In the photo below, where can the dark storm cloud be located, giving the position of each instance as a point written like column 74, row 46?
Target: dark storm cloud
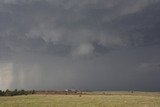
column 57, row 44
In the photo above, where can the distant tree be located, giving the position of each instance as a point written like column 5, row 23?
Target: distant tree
column 22, row 92
column 15, row 92
column 32, row 92
column 1, row 93
column 8, row 92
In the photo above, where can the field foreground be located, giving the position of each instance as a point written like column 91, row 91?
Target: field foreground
column 92, row 100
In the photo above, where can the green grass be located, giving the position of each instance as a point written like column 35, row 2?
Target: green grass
column 113, row 100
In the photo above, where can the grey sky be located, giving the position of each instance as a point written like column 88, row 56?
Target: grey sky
column 84, row 44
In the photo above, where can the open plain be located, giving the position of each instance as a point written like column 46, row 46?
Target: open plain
column 91, row 99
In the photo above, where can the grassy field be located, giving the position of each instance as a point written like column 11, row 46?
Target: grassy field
column 114, row 99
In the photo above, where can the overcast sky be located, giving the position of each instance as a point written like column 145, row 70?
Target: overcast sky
column 82, row 44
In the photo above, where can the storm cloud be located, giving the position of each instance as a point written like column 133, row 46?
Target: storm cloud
column 83, row 44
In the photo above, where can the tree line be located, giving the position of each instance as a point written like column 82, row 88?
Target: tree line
column 16, row 92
